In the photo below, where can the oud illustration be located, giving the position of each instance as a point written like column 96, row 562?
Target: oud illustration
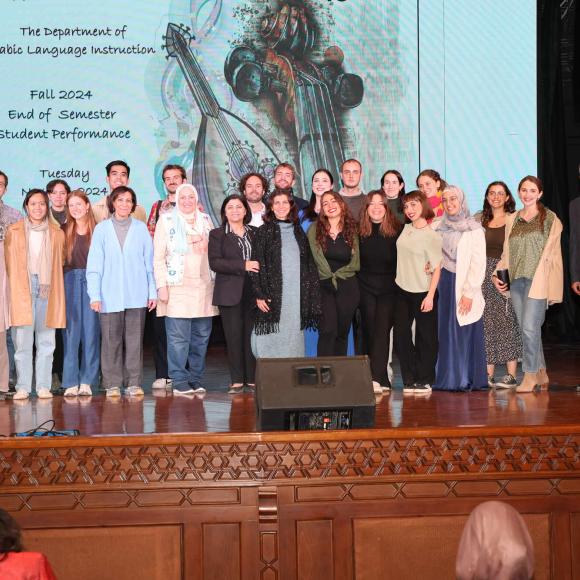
column 227, row 147
column 308, row 93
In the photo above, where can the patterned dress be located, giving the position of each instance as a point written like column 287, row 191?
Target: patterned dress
column 503, row 341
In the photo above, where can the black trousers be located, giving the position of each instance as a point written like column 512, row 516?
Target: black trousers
column 417, row 360
column 238, row 323
column 338, row 307
column 160, row 346
column 378, row 318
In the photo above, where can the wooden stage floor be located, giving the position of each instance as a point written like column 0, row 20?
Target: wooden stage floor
column 218, row 412
column 180, row 488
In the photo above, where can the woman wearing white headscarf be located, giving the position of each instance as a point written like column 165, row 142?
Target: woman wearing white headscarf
column 461, row 364
column 495, row 545
column 185, row 288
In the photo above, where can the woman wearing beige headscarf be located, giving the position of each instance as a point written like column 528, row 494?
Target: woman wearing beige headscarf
column 495, row 545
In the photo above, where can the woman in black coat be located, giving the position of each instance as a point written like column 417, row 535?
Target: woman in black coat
column 230, row 251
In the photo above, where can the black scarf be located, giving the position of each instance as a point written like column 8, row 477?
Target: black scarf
column 267, row 250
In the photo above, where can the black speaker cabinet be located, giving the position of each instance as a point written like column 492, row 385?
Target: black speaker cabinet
column 314, row 393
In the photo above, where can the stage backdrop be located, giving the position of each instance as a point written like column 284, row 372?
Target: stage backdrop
column 225, row 87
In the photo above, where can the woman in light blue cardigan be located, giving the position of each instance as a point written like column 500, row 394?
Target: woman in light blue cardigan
column 121, row 286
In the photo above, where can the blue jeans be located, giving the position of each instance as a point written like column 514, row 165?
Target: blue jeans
column 531, row 313
column 24, row 339
column 187, row 340
column 82, row 327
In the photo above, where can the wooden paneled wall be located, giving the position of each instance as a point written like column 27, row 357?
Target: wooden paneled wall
column 287, row 506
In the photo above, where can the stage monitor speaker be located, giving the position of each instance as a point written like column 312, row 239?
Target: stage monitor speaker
column 314, row 393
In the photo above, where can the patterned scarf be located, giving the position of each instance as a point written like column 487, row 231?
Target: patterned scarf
column 45, row 257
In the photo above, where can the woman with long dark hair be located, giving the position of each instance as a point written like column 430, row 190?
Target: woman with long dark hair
column 393, row 186
column 335, row 247
column 533, row 257
column 286, row 285
column 322, row 181
column 82, row 323
column 230, row 257
column 503, row 341
column 34, row 252
column 378, row 232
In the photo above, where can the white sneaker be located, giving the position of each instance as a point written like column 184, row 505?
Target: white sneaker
column 71, row 392
column 43, row 394
column 20, row 394
column 161, row 384
column 377, row 389
column 113, row 392
column 85, row 391
column 134, row 391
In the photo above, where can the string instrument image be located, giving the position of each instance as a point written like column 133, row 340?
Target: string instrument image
column 306, row 92
column 227, row 147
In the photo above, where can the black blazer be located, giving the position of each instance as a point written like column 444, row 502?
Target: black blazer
column 226, row 260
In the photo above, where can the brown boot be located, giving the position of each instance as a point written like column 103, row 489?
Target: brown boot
column 543, row 379
column 528, row 383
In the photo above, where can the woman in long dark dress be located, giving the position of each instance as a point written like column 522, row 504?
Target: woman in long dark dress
column 461, row 364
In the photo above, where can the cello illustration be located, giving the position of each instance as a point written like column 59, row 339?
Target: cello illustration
column 307, row 93
column 227, row 147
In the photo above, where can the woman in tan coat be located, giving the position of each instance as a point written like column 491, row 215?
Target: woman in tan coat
column 34, row 258
column 532, row 254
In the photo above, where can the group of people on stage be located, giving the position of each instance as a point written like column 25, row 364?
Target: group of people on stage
column 289, row 277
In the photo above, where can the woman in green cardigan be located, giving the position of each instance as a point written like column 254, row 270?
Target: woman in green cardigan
column 334, row 244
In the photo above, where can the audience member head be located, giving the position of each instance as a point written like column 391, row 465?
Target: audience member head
column 122, row 202
column 35, row 205
column 495, row 545
column 117, row 174
column 430, row 182
column 281, row 207
column 284, row 176
column 10, row 535
column 173, row 176
column 253, row 186
column 497, row 195
column 416, row 206
column 57, row 190
column 351, row 174
column 376, row 211
column 322, row 181
column 235, row 210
